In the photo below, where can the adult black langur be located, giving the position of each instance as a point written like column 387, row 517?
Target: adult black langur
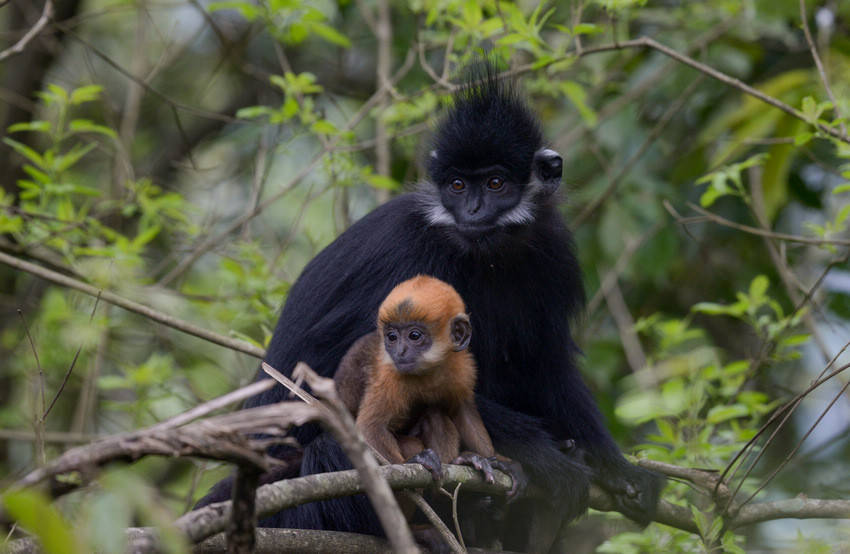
column 486, row 222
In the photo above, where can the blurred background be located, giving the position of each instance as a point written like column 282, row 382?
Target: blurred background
column 194, row 155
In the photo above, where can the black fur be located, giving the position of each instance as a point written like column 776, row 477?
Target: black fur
column 521, row 285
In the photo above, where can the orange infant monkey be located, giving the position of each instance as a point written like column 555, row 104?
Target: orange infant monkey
column 411, row 383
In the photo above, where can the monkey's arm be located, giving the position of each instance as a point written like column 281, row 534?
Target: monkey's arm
column 483, row 457
column 473, row 434
column 373, row 422
column 354, row 370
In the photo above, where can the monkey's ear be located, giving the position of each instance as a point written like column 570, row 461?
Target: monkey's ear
column 548, row 167
column 461, row 332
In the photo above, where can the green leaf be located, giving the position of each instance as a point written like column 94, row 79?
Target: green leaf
column 87, row 126
column 331, row 35
column 758, row 288
column 248, row 10
column 577, row 96
column 841, row 188
column 35, row 513
column 85, row 94
column 146, row 236
column 26, row 152
column 719, row 414
column 810, row 108
column 72, row 157
column 382, row 182
column 803, row 138
column 253, row 111
column 37, row 126
column 711, row 308
column 323, row 127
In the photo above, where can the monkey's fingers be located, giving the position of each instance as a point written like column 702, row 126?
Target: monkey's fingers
column 430, row 461
column 479, row 462
column 516, row 473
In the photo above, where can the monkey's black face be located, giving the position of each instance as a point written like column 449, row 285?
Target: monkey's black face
column 480, row 201
column 407, row 345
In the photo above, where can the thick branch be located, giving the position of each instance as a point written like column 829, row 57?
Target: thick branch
column 222, row 437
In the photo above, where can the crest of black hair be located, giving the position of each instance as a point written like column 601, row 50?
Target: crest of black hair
column 489, row 124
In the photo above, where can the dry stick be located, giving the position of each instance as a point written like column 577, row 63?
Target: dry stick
column 243, row 519
column 215, row 404
column 215, row 240
column 384, row 36
column 821, row 71
column 19, row 46
column 208, row 438
column 71, row 367
column 48, row 437
column 625, row 323
column 150, row 313
column 650, row 139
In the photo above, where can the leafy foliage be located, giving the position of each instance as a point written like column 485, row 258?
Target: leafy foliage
column 249, row 138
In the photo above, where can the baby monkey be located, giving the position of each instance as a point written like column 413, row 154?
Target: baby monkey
column 410, row 384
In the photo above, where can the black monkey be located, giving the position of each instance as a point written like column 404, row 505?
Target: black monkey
column 486, row 222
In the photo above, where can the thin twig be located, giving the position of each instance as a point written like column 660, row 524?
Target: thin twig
column 707, row 215
column 150, row 313
column 821, row 71
column 71, row 367
column 19, row 46
column 653, row 135
column 218, row 403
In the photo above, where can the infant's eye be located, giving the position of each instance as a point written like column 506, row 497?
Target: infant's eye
column 392, row 336
column 414, row 335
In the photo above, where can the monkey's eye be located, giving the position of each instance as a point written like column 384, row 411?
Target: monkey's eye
column 495, row 183
column 414, row 335
column 392, row 336
column 457, row 185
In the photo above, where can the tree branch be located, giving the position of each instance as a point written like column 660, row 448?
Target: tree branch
column 19, row 46
column 141, row 309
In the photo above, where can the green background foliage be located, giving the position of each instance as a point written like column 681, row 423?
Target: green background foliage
column 193, row 156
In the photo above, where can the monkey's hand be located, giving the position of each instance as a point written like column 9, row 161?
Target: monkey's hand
column 430, row 461
column 515, row 472
column 635, row 490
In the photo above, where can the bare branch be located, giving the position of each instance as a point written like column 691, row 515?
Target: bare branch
column 821, row 71
column 708, row 216
column 224, row 437
column 112, row 298
column 39, row 26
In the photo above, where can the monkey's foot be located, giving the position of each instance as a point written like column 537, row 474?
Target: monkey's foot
column 482, row 464
column 430, row 461
column 514, row 470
